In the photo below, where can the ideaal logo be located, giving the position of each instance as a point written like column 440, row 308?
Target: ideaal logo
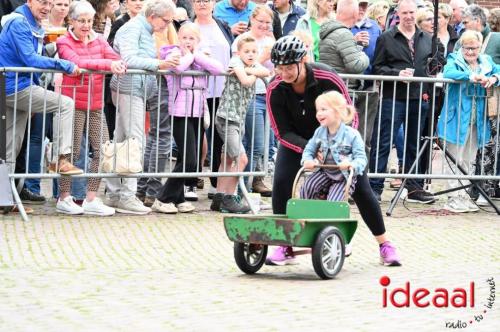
column 422, row 297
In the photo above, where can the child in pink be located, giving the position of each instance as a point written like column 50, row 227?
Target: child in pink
column 187, row 95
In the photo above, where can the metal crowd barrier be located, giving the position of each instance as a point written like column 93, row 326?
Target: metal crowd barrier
column 366, row 94
column 149, row 98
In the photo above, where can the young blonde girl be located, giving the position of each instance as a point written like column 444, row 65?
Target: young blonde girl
column 338, row 144
column 186, row 106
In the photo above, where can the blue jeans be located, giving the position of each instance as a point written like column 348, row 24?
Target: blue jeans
column 254, row 128
column 78, row 185
column 400, row 145
column 36, row 148
column 381, row 145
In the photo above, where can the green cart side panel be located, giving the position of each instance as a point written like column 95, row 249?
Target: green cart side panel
column 278, row 230
column 317, row 209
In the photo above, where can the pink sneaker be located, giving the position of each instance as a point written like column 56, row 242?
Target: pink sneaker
column 388, row 255
column 281, row 256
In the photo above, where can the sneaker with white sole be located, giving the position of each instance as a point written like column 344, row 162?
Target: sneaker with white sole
column 185, row 207
column 68, row 206
column 97, row 208
column 111, row 201
column 161, row 207
column 131, row 205
column 211, row 192
column 456, row 205
column 470, row 204
column 281, row 256
column 190, row 193
column 481, row 201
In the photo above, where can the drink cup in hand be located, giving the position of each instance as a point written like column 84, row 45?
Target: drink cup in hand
column 410, row 71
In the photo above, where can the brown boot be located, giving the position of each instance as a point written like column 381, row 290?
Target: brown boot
column 259, row 187
column 64, row 167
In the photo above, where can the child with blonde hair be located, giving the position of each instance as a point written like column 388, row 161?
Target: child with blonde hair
column 230, row 121
column 186, row 106
column 338, row 143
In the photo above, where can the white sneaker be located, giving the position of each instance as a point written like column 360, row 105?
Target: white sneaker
column 164, row 207
column 111, row 201
column 481, row 201
column 470, row 204
column 456, row 205
column 211, row 192
column 131, row 205
column 190, row 193
column 185, row 207
column 96, row 207
column 68, row 206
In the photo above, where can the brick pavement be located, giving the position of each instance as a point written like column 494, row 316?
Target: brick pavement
column 170, row 273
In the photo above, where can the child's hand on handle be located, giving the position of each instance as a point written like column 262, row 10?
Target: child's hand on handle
column 310, row 164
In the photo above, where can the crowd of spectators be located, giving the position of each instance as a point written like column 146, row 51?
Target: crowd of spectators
column 371, row 37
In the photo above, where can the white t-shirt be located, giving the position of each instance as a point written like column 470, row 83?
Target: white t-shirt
column 213, row 40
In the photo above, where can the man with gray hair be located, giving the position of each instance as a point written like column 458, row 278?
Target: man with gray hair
column 474, row 18
column 337, row 46
column 135, row 43
column 21, row 42
column 457, row 7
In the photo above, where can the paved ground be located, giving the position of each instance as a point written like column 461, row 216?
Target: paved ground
column 175, row 273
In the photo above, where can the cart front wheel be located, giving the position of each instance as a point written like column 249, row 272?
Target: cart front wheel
column 249, row 257
column 328, row 253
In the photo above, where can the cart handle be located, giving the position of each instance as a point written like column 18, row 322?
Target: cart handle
column 302, row 170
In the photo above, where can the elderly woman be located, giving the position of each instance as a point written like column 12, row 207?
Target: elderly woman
column 318, row 12
column 474, row 18
column 216, row 39
column 425, row 20
column 83, row 47
column 463, row 125
column 136, row 45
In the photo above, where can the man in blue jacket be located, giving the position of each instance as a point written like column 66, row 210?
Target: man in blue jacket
column 21, row 42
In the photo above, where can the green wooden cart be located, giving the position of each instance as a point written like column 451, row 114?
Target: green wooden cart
column 323, row 226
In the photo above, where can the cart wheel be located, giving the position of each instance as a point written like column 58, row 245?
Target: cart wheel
column 249, row 257
column 328, row 252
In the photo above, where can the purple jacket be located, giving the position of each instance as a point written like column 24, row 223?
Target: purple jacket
column 187, row 94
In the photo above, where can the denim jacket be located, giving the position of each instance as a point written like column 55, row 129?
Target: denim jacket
column 346, row 144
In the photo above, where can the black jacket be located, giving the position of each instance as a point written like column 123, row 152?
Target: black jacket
column 120, row 21
column 293, row 117
column 392, row 54
column 8, row 6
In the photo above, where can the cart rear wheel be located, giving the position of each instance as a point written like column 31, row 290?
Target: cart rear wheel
column 249, row 257
column 328, row 253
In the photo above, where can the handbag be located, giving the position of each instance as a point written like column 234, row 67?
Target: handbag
column 121, row 158
column 493, row 94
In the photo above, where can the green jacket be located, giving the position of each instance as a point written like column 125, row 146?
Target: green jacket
column 338, row 49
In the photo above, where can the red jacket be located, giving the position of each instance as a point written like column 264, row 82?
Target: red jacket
column 96, row 55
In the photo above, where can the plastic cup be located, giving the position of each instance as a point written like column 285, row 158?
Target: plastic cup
column 411, row 70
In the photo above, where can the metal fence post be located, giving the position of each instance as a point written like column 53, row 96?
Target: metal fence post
column 3, row 117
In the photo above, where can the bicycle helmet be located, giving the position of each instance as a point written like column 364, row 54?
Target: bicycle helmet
column 288, row 50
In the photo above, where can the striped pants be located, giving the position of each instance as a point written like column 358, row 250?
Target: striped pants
column 322, row 184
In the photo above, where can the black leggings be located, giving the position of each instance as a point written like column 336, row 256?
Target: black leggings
column 173, row 190
column 213, row 104
column 286, row 168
